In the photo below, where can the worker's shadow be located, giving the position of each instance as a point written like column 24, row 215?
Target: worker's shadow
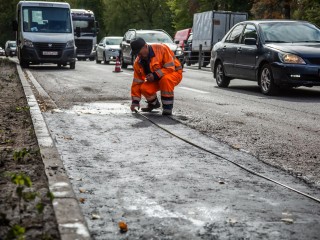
column 153, row 118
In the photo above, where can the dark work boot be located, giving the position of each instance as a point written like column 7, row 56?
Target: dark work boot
column 167, row 112
column 151, row 105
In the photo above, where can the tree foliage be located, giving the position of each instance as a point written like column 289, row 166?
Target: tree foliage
column 6, row 18
column 138, row 14
column 116, row 17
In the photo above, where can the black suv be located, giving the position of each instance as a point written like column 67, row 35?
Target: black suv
column 150, row 36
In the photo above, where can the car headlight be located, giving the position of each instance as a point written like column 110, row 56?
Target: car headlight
column 70, row 44
column 28, row 43
column 179, row 51
column 291, row 58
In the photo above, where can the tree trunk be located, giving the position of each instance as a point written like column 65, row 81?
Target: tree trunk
column 286, row 11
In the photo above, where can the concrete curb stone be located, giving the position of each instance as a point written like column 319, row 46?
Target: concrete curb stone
column 71, row 222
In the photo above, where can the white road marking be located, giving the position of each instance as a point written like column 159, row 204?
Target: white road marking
column 206, row 70
column 194, row 90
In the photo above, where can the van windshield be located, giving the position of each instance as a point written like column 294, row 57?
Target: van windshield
column 86, row 25
column 46, row 19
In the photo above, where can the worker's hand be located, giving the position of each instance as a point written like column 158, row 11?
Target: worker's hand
column 150, row 77
column 134, row 106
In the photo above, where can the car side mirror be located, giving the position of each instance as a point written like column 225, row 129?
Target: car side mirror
column 250, row 41
column 78, row 31
column 100, row 44
column 128, row 41
column 177, row 42
column 14, row 25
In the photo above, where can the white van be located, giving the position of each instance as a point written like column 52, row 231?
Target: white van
column 45, row 33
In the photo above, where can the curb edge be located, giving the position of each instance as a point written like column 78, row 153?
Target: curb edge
column 70, row 220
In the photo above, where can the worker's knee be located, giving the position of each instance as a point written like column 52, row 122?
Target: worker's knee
column 147, row 90
column 166, row 82
column 170, row 80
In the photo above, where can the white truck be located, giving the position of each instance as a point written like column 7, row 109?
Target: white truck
column 86, row 28
column 209, row 28
column 44, row 33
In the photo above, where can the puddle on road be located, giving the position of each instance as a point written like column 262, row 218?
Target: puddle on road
column 98, row 109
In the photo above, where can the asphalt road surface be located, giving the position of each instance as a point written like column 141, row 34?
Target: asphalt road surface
column 128, row 169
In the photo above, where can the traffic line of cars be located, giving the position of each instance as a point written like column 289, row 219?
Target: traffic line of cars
column 110, row 48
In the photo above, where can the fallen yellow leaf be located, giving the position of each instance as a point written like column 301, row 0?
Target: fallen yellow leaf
column 123, row 227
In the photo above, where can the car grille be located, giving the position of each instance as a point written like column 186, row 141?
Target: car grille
column 52, row 47
column 84, row 46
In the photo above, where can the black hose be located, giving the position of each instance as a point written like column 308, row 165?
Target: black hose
column 238, row 165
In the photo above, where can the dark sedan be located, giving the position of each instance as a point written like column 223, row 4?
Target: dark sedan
column 275, row 53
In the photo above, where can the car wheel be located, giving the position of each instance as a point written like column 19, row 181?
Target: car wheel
column 72, row 65
column 91, row 59
column 221, row 79
column 105, row 60
column 123, row 64
column 266, row 82
column 97, row 60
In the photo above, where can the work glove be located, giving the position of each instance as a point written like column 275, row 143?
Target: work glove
column 134, row 106
column 150, row 77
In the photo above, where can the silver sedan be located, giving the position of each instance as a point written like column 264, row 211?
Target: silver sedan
column 108, row 49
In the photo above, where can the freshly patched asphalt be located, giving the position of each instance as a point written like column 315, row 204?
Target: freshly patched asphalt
column 129, row 170
column 124, row 168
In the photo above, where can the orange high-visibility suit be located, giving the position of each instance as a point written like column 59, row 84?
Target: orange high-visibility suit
column 167, row 72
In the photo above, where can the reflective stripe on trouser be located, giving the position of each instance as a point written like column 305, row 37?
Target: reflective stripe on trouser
column 166, row 84
column 167, row 102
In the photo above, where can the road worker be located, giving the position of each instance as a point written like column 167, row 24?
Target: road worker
column 155, row 68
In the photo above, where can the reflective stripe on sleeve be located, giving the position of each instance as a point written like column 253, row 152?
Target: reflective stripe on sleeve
column 169, row 64
column 160, row 73
column 137, row 80
column 178, row 68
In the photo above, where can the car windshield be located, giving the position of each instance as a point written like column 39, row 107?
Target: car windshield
column 290, row 32
column 46, row 19
column 155, row 37
column 12, row 44
column 113, row 41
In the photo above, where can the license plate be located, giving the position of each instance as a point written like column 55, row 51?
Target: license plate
column 49, row 53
